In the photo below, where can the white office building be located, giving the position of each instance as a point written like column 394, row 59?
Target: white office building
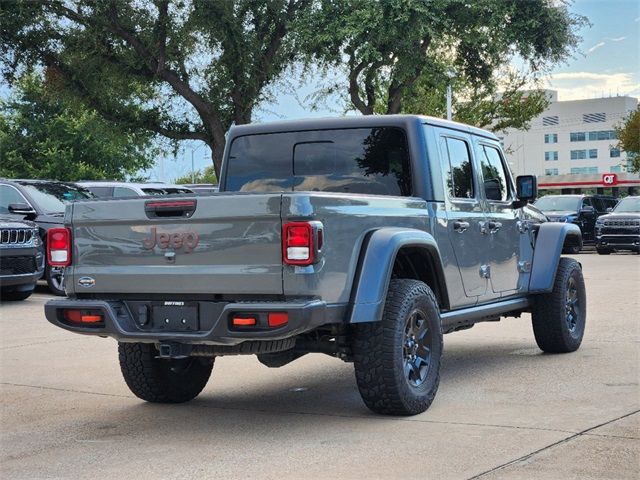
column 571, row 146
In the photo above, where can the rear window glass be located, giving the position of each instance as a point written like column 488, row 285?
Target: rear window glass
column 360, row 160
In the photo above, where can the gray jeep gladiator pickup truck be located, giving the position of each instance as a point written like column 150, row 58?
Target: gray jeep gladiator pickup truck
column 363, row 238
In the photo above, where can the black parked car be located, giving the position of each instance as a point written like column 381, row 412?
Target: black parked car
column 583, row 210
column 620, row 229
column 21, row 258
column 42, row 201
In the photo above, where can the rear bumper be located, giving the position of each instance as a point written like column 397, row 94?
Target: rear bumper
column 122, row 322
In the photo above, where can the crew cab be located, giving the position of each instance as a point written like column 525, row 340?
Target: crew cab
column 363, row 238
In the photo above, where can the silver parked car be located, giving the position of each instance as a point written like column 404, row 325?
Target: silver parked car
column 106, row 189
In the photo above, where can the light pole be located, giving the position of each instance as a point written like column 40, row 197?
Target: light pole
column 193, row 171
column 451, row 74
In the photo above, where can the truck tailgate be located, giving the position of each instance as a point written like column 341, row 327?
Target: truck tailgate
column 230, row 243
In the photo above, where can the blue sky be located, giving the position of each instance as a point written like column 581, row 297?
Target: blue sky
column 607, row 63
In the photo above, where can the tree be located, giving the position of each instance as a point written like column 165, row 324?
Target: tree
column 45, row 136
column 629, row 139
column 499, row 104
column 206, row 175
column 389, row 45
column 185, row 69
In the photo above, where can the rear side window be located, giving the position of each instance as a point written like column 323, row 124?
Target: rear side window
column 359, row 160
column 494, row 177
column 124, row 192
column 101, row 191
column 460, row 175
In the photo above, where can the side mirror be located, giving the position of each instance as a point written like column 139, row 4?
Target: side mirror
column 22, row 209
column 609, row 209
column 526, row 190
column 588, row 210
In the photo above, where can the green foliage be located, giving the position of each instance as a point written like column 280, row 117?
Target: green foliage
column 43, row 135
column 207, row 175
column 500, row 103
column 390, row 45
column 185, row 69
column 629, row 139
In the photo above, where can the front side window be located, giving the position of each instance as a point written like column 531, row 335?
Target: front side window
column 9, row 195
column 357, row 160
column 460, row 175
column 52, row 197
column 496, row 185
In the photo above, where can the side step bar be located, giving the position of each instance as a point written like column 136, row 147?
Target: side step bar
column 466, row 317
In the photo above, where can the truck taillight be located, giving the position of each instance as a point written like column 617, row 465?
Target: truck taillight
column 59, row 247
column 301, row 242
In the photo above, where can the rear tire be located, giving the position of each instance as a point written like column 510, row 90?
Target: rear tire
column 397, row 360
column 559, row 317
column 161, row 380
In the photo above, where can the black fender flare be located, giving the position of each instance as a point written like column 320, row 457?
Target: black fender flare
column 546, row 253
column 376, row 267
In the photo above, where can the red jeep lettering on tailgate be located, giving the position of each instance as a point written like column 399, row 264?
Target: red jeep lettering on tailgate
column 188, row 240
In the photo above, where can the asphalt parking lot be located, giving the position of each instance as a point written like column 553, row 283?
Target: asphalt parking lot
column 504, row 409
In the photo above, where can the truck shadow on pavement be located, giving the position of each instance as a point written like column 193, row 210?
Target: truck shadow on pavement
column 318, row 392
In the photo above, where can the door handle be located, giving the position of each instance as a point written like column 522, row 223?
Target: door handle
column 459, row 226
column 494, row 226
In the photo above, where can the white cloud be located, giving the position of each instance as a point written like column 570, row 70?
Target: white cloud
column 637, row 19
column 617, row 39
column 596, row 46
column 580, row 85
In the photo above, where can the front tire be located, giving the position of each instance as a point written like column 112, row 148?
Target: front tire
column 15, row 295
column 162, row 380
column 55, row 280
column 397, row 360
column 603, row 251
column 559, row 317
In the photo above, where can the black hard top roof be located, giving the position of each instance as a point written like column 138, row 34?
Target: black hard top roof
column 359, row 121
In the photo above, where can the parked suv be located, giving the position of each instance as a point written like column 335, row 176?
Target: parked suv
column 620, row 229
column 123, row 189
column 364, row 238
column 582, row 210
column 42, row 201
column 21, row 258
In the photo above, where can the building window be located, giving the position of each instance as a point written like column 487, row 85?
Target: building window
column 583, row 170
column 549, row 121
column 550, row 138
column 616, row 169
column 603, row 135
column 550, row 156
column 614, row 153
column 551, row 171
column 577, row 136
column 593, row 153
column 578, row 154
column 594, row 117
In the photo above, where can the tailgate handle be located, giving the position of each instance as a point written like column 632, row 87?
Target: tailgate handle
column 170, row 208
